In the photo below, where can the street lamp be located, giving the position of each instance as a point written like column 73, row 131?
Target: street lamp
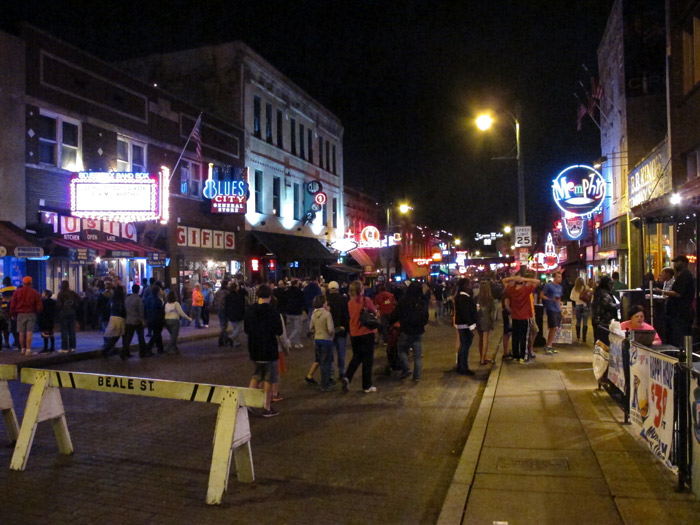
column 507, row 229
column 403, row 209
column 484, row 122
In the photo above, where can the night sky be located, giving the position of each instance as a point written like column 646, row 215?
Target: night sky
column 406, row 78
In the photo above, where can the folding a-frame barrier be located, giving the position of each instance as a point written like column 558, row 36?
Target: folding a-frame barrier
column 8, row 373
column 231, row 435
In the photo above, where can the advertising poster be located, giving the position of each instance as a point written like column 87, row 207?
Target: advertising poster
column 565, row 333
column 616, row 372
column 651, row 400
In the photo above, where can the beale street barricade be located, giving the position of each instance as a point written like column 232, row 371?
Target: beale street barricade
column 652, row 386
column 8, row 373
column 231, row 435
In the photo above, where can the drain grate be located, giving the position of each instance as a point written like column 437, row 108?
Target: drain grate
column 533, row 465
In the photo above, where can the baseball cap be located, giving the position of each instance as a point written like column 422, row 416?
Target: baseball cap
column 680, row 258
column 27, row 280
column 333, row 285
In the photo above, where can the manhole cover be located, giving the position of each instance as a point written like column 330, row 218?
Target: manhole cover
column 533, row 465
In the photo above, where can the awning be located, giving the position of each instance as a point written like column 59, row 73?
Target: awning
column 413, row 270
column 16, row 242
column 114, row 249
column 342, row 268
column 287, row 248
column 362, row 257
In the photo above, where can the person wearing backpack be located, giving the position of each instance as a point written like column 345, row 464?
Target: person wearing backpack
column 412, row 314
column 581, row 296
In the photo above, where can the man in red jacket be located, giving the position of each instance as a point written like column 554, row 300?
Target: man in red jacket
column 25, row 305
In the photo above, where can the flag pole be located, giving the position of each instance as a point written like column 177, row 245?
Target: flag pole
column 197, row 123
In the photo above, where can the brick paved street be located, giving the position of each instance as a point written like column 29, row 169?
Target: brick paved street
column 331, row 457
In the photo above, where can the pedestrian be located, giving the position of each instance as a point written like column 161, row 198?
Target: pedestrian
column 103, row 301
column 295, row 311
column 173, row 314
column 187, row 302
column 581, row 295
column 235, row 309
column 323, row 330
column 338, row 304
column 439, row 293
column 679, row 306
column 486, row 309
column 135, row 322
column 116, row 325
column 154, row 310
column 197, row 305
column 385, row 303
column 507, row 324
column 208, row 299
column 67, row 302
column 551, row 296
column 310, row 291
column 519, row 304
column 280, row 294
column 617, row 285
column 219, row 303
column 47, row 320
column 361, row 338
column 7, row 324
column 145, row 295
column 465, row 322
column 263, row 325
column 25, row 305
column 604, row 309
column 412, row 314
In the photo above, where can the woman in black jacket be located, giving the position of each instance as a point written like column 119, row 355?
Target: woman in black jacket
column 465, row 323
column 117, row 321
column 412, row 314
column 604, row 309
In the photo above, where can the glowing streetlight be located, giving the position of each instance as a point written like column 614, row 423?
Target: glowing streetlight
column 477, row 253
column 458, row 242
column 484, row 122
column 507, row 229
column 404, row 208
column 675, row 199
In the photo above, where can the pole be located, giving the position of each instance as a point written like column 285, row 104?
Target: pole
column 388, row 250
column 521, row 175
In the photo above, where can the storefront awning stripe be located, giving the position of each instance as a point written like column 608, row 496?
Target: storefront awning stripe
column 362, row 257
column 287, row 248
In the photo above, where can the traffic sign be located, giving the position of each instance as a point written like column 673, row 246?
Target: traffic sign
column 523, row 236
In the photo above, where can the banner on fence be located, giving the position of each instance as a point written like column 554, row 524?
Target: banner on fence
column 651, row 399
column 616, row 372
column 565, row 333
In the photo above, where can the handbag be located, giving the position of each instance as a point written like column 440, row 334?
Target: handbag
column 585, row 296
column 368, row 318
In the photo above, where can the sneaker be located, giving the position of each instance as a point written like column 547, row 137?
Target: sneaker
column 508, row 357
column 521, row 361
column 370, row 390
column 555, row 351
column 28, row 352
column 277, row 398
column 548, row 350
column 206, row 326
column 406, row 374
column 63, row 351
column 531, row 355
column 270, row 413
column 310, row 381
column 346, row 385
column 72, row 350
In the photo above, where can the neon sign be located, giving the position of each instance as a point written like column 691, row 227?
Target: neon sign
column 120, row 196
column 422, row 261
column 579, row 190
column 547, row 261
column 227, row 196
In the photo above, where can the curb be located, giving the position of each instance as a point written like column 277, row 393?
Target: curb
column 455, row 503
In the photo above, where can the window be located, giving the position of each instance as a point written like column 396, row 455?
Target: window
column 258, row 191
column 328, row 156
column 293, row 139
column 691, row 54
column 268, row 123
column 59, row 142
column 301, row 141
column 280, row 130
column 310, row 158
column 297, row 201
column 131, row 155
column 335, row 212
column 276, row 200
column 256, row 116
column 190, row 178
column 320, row 152
column 334, row 169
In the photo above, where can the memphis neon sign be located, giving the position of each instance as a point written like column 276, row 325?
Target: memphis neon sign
column 579, row 190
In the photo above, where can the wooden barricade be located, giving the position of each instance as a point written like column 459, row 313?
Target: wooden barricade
column 8, row 373
column 231, row 434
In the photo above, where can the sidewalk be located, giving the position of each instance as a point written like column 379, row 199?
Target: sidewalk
column 548, row 447
column 89, row 346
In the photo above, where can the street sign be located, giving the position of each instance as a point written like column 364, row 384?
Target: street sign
column 524, row 256
column 26, row 252
column 523, row 236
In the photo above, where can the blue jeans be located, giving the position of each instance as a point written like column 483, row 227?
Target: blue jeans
column 173, row 327
column 294, row 328
column 67, row 324
column 324, row 356
column 223, row 333
column 341, row 343
column 196, row 314
column 466, row 336
column 407, row 341
column 236, row 330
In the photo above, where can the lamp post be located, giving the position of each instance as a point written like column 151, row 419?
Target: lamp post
column 403, row 209
column 484, row 122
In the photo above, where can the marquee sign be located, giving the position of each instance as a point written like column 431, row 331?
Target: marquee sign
column 227, row 196
column 579, row 190
column 120, row 196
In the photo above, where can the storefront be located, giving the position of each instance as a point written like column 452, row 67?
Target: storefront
column 20, row 255
column 207, row 255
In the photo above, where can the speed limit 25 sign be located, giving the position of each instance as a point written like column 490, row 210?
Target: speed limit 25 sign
column 523, row 236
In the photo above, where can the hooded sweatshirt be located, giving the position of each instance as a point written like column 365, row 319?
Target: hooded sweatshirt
column 322, row 325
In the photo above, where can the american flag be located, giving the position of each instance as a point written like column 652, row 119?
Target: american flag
column 197, row 137
column 597, row 91
column 582, row 110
